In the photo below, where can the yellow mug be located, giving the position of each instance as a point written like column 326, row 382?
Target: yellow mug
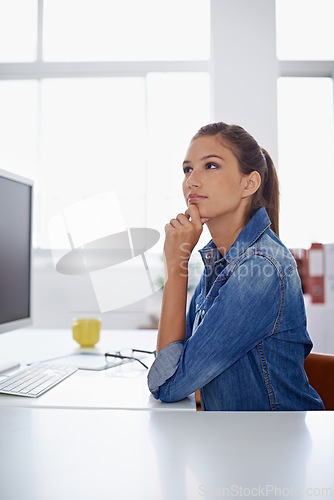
column 86, row 331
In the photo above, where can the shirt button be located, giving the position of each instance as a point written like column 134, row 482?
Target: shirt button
column 208, row 255
column 203, row 312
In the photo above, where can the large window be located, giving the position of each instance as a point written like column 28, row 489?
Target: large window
column 127, row 30
column 102, row 95
column 18, row 30
column 305, row 48
column 305, row 30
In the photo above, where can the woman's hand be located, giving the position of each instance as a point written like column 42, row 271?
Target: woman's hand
column 182, row 234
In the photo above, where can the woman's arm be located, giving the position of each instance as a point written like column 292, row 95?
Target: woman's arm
column 172, row 325
column 182, row 234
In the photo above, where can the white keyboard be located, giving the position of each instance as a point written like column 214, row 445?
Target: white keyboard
column 34, row 380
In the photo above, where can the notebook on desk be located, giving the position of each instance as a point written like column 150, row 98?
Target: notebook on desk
column 97, row 361
column 89, row 361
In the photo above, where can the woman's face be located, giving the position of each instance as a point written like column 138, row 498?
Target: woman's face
column 212, row 179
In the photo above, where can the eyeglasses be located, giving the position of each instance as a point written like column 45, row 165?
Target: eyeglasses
column 126, row 354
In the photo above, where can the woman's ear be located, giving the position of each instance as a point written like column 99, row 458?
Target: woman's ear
column 253, row 183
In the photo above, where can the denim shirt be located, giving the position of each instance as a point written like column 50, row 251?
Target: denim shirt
column 246, row 337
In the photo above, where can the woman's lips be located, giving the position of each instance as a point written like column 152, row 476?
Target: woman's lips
column 192, row 198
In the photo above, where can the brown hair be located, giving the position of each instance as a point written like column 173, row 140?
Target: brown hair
column 250, row 157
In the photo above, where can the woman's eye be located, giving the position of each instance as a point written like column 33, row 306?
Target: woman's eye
column 186, row 170
column 211, row 165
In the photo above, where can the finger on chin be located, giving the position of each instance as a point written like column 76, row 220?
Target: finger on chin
column 192, row 211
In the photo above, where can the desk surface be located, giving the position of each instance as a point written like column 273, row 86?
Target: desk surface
column 67, row 454
column 123, row 387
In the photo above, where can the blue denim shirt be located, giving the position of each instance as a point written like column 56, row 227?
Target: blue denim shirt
column 246, row 337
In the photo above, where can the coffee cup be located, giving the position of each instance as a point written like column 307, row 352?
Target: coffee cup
column 86, row 331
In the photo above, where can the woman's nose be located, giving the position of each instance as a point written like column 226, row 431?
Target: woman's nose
column 193, row 180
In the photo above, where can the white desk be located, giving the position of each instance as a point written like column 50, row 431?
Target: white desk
column 80, row 454
column 123, row 387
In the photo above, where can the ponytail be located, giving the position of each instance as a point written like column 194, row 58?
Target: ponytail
column 270, row 193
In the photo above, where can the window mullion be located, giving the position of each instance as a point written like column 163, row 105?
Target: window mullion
column 40, row 30
column 40, row 69
column 324, row 69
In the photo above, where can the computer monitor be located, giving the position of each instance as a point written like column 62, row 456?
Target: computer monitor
column 16, row 194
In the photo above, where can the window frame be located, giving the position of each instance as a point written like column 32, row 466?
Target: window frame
column 39, row 68
column 299, row 68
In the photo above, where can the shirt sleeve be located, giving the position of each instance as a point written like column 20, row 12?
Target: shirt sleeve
column 191, row 311
column 164, row 366
column 167, row 360
column 246, row 310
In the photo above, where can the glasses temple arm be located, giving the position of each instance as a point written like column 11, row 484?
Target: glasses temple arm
column 120, row 356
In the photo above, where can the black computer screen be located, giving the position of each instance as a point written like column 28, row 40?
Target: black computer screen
column 15, row 249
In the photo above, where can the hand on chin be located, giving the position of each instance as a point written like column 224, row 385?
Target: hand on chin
column 203, row 219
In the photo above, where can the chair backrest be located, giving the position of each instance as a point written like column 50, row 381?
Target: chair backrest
column 319, row 369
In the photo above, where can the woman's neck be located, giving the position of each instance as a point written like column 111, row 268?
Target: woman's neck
column 224, row 230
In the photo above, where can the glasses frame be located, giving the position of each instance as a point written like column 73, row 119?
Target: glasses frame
column 118, row 355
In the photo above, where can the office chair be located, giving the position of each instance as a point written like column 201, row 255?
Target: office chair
column 319, row 369
column 198, row 401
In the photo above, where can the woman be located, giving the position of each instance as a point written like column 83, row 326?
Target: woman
column 244, row 339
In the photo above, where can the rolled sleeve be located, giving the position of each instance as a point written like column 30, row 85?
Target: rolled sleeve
column 164, row 366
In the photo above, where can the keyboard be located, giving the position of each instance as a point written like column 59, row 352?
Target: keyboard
column 34, row 380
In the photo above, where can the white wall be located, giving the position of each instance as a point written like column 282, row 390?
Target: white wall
column 58, row 299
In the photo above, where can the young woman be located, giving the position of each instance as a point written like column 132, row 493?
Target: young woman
column 244, row 339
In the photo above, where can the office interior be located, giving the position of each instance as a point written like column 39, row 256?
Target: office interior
column 99, row 100
column 66, row 109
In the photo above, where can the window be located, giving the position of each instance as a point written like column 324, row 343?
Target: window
column 305, row 120
column 130, row 30
column 305, row 29
column 19, row 107
column 18, row 33
column 103, row 98
column 306, row 160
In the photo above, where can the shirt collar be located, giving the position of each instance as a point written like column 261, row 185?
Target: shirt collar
column 250, row 233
